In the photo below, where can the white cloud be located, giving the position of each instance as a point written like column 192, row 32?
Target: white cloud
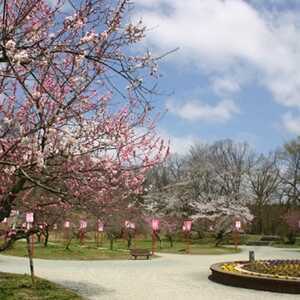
column 179, row 144
column 198, row 111
column 223, row 86
column 231, row 37
column 291, row 123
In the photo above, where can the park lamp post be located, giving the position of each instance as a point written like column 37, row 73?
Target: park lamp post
column 30, row 243
column 127, row 224
column 130, row 226
column 155, row 227
column 82, row 228
column 15, row 216
column 29, row 219
column 237, row 228
column 67, row 225
column 99, row 230
column 55, row 231
column 5, row 224
column 186, row 228
column 29, row 222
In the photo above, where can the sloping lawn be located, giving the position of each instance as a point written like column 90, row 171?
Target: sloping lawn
column 18, row 287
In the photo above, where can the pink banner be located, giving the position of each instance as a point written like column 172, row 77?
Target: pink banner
column 155, row 224
column 187, row 225
column 83, row 224
column 238, row 224
column 29, row 217
column 129, row 225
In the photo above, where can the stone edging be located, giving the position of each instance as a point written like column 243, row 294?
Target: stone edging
column 251, row 281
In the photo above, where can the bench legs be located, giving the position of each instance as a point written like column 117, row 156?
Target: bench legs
column 135, row 256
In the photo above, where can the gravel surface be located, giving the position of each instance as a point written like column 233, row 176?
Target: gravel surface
column 170, row 277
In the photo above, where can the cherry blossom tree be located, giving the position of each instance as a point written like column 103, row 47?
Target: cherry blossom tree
column 219, row 180
column 171, row 205
column 74, row 116
column 213, row 185
column 292, row 218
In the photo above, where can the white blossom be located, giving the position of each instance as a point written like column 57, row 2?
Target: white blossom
column 21, row 57
column 89, row 37
column 10, row 45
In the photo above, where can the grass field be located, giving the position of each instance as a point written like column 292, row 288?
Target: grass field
column 76, row 252
column 18, row 287
column 89, row 251
column 291, row 246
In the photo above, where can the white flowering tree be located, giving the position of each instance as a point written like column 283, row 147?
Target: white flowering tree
column 212, row 186
column 220, row 180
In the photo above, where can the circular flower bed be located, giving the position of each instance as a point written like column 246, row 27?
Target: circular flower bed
column 270, row 275
column 276, row 268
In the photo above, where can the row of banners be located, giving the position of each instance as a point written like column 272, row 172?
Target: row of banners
column 187, row 224
column 186, row 227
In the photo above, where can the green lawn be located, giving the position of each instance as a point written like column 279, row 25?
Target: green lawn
column 75, row 252
column 89, row 251
column 18, row 287
column 204, row 247
column 297, row 245
column 208, row 249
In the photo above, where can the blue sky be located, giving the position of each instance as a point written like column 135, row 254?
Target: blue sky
column 236, row 73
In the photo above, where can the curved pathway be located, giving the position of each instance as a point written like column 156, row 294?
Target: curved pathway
column 171, row 277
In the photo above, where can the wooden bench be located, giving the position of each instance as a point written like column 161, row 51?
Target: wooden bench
column 140, row 252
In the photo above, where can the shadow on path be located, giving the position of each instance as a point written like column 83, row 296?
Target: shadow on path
column 86, row 289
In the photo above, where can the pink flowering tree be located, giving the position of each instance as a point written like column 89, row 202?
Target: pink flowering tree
column 113, row 211
column 292, row 219
column 171, row 225
column 74, row 117
column 47, row 216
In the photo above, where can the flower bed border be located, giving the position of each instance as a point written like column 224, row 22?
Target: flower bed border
column 259, row 282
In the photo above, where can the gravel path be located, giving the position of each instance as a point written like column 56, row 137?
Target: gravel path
column 171, row 277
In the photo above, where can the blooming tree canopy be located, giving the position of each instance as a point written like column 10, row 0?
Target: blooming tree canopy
column 292, row 218
column 74, row 118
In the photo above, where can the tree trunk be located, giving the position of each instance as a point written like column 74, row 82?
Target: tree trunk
column 111, row 244
column 46, row 233
column 39, row 237
column 129, row 241
column 30, row 254
column 170, row 239
column 69, row 240
column 158, row 238
column 9, row 199
column 218, row 243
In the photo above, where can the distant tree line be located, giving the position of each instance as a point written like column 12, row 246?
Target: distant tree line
column 226, row 180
